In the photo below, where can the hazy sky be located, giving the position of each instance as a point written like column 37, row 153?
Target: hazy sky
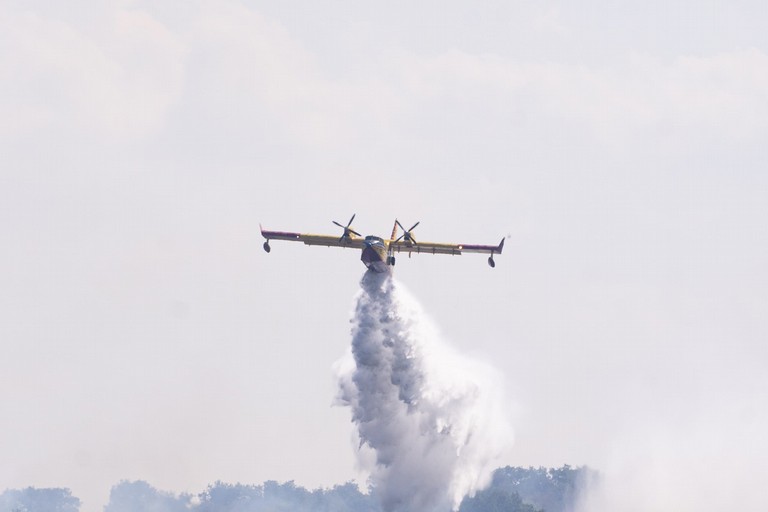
column 622, row 147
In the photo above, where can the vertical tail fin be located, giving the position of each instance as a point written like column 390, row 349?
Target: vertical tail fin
column 394, row 231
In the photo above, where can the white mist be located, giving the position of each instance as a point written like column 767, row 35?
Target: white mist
column 433, row 419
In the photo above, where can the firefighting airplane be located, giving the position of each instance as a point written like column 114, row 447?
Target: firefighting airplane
column 379, row 254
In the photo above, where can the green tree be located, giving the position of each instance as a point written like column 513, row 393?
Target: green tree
column 496, row 500
column 35, row 500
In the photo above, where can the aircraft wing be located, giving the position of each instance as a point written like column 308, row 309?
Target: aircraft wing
column 438, row 248
column 327, row 240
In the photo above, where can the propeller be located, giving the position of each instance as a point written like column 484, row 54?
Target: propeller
column 347, row 230
column 407, row 233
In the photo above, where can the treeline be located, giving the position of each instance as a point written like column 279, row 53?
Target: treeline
column 513, row 489
column 38, row 500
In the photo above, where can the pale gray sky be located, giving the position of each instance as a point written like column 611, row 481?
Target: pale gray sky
column 622, row 147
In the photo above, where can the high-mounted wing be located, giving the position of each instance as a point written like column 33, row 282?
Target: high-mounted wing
column 327, row 240
column 350, row 237
column 455, row 249
column 438, row 248
column 407, row 243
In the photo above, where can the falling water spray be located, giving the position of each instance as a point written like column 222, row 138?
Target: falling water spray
column 431, row 423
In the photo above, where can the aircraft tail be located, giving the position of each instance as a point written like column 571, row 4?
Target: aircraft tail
column 394, row 231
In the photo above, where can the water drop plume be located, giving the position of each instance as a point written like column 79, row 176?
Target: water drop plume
column 431, row 423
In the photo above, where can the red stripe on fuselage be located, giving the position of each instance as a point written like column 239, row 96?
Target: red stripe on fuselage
column 281, row 234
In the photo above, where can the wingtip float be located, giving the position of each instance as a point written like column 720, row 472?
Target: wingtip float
column 378, row 254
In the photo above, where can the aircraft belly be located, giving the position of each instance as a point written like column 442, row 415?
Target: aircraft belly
column 375, row 258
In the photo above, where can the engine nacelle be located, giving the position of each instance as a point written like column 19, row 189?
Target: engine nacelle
column 491, row 263
column 267, row 248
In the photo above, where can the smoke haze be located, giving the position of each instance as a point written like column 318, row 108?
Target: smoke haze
column 430, row 422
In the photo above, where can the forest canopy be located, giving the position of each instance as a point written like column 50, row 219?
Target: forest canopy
column 513, row 489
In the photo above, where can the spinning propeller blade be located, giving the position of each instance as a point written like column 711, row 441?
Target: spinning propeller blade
column 407, row 233
column 347, row 230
